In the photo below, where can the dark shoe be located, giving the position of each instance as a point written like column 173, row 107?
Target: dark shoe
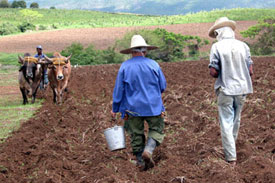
column 232, row 163
column 147, row 157
column 140, row 162
column 141, row 165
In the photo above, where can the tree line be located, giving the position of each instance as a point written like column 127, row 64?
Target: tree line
column 17, row 4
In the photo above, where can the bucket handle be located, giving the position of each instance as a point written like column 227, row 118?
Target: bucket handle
column 113, row 120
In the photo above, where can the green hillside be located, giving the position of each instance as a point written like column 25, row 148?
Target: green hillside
column 155, row 7
column 60, row 19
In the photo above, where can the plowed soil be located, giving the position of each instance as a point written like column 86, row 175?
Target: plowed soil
column 65, row 143
column 101, row 38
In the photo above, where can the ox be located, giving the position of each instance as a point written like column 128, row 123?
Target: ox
column 29, row 77
column 59, row 71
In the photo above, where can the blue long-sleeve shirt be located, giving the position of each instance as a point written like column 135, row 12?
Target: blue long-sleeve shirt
column 138, row 88
column 41, row 56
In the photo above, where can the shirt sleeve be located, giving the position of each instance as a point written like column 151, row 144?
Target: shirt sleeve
column 162, row 84
column 214, row 58
column 162, row 81
column 118, row 91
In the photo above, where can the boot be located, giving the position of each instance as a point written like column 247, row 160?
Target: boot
column 140, row 162
column 148, row 153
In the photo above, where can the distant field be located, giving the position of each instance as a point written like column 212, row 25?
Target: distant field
column 60, row 19
column 101, row 38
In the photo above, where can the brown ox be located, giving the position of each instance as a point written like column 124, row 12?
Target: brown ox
column 59, row 72
column 29, row 77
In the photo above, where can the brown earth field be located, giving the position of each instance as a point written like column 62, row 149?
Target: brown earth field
column 65, row 143
column 101, row 38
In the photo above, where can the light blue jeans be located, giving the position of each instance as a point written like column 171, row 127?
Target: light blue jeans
column 230, row 108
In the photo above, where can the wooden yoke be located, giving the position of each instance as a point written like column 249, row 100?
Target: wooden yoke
column 30, row 59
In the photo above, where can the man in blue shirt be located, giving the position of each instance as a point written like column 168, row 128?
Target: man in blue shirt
column 44, row 81
column 137, row 96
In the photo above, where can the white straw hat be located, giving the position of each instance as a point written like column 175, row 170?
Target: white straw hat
column 219, row 23
column 136, row 42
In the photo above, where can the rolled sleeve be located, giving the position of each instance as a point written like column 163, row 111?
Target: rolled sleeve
column 214, row 59
column 162, row 81
column 248, row 59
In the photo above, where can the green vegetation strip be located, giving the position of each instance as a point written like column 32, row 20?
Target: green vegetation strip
column 8, row 59
column 12, row 116
column 12, row 112
column 45, row 19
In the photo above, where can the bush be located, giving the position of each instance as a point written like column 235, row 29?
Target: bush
column 80, row 55
column 34, row 5
column 90, row 56
column 15, row 4
column 264, row 32
column 18, row 4
column 54, row 26
column 42, row 27
column 4, row 4
column 8, row 28
column 22, row 4
column 26, row 26
column 110, row 56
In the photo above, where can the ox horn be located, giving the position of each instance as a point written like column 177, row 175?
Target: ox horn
column 68, row 58
column 50, row 61
column 20, row 60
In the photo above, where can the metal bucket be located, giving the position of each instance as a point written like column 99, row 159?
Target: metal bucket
column 115, row 138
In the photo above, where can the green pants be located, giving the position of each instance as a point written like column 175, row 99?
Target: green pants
column 135, row 128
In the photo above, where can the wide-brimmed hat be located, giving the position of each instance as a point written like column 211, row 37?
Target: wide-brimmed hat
column 219, row 23
column 137, row 42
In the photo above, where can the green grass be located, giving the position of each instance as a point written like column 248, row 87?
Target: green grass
column 12, row 116
column 8, row 82
column 61, row 19
column 12, row 112
column 8, row 59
